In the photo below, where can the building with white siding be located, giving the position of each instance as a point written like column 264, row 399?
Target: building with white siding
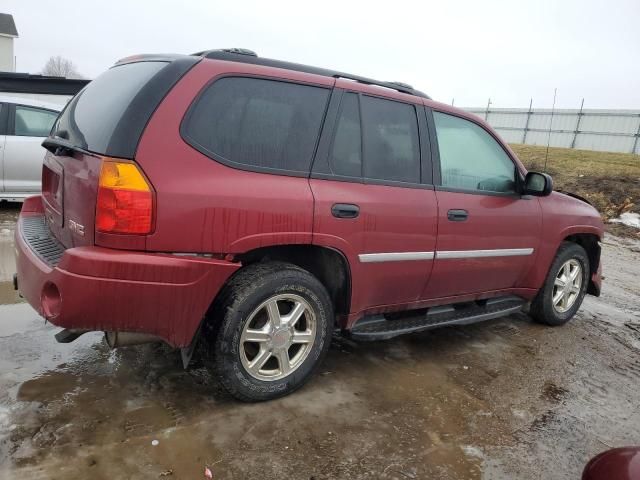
column 8, row 33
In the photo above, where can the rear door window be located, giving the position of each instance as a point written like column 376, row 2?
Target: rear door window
column 391, row 141
column 33, row 122
column 257, row 124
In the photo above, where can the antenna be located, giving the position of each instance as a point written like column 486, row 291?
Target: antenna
column 553, row 108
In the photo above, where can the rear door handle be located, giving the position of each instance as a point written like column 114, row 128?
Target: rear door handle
column 457, row 215
column 345, row 210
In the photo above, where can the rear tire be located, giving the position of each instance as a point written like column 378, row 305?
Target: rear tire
column 564, row 288
column 274, row 323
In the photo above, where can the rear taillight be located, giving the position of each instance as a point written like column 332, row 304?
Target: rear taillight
column 125, row 199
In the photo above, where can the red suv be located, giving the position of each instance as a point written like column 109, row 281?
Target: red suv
column 253, row 206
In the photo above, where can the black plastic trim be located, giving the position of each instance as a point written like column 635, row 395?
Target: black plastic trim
column 297, row 67
column 345, row 210
column 426, row 170
column 440, row 188
column 377, row 327
column 4, row 115
column 127, row 133
column 241, row 166
column 320, row 164
column 11, row 82
column 433, row 146
column 457, row 215
column 37, row 235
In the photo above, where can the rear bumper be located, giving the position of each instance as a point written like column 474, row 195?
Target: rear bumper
column 94, row 288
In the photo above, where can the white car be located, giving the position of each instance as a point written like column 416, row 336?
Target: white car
column 24, row 124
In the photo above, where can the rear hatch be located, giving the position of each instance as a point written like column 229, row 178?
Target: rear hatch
column 106, row 119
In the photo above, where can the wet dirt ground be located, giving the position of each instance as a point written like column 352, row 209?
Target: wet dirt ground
column 505, row 399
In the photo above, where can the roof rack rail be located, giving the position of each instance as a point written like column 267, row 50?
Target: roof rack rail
column 239, row 51
column 400, row 87
column 244, row 55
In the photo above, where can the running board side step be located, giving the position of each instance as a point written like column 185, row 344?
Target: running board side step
column 379, row 327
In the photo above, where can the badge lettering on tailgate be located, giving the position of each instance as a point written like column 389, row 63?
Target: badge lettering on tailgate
column 75, row 227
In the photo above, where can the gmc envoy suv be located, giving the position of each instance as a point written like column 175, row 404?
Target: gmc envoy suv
column 253, row 206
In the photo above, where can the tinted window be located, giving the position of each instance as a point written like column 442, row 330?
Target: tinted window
column 259, row 123
column 470, row 158
column 346, row 151
column 92, row 115
column 33, row 122
column 391, row 145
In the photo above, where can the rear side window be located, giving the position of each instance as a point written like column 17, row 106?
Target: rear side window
column 258, row 123
column 92, row 116
column 33, row 122
column 470, row 158
column 391, row 144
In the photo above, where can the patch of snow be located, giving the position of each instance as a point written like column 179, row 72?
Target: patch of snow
column 4, row 417
column 628, row 218
column 472, row 451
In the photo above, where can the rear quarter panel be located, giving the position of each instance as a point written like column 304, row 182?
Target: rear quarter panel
column 205, row 206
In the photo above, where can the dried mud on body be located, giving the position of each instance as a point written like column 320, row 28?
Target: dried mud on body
column 500, row 400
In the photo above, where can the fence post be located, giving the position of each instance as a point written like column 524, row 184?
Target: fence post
column 577, row 130
column 635, row 142
column 526, row 125
column 486, row 112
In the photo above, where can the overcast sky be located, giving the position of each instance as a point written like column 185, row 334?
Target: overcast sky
column 468, row 50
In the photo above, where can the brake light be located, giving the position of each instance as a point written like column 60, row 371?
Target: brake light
column 125, row 199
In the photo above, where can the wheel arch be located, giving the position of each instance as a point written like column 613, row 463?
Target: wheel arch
column 329, row 265
column 591, row 244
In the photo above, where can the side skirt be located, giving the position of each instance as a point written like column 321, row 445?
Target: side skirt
column 383, row 327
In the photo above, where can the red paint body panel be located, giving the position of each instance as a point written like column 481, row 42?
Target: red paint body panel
column 615, row 464
column 111, row 290
column 392, row 219
column 77, row 199
column 204, row 206
column 494, row 222
column 562, row 216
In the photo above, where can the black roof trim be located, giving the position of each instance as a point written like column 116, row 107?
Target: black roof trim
column 11, row 82
column 248, row 56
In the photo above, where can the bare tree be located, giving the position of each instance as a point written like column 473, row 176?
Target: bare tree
column 60, row 67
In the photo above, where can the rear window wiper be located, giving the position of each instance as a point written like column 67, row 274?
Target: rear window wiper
column 60, row 146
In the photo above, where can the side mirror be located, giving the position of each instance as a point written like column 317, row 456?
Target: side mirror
column 538, row 184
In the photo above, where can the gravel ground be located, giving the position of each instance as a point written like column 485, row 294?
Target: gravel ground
column 500, row 400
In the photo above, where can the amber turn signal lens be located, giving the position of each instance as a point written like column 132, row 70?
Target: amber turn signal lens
column 125, row 199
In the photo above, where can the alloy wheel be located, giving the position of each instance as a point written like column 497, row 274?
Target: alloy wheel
column 567, row 285
column 277, row 337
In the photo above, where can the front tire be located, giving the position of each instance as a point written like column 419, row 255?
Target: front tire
column 275, row 326
column 564, row 288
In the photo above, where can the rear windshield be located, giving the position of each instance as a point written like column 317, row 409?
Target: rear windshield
column 92, row 116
